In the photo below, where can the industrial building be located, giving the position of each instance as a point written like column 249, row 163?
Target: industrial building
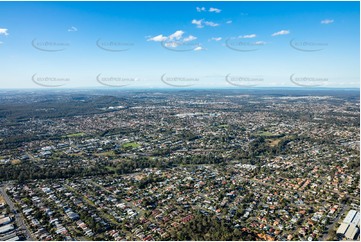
column 356, row 220
column 6, row 228
column 350, row 215
column 15, row 238
column 350, row 226
column 342, row 229
column 5, row 220
column 351, row 232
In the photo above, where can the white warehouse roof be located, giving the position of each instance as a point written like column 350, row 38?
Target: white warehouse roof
column 350, row 215
column 6, row 228
column 342, row 229
column 351, row 232
column 356, row 219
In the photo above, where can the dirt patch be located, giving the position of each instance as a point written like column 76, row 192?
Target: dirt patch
column 274, row 142
column 2, row 201
column 15, row 162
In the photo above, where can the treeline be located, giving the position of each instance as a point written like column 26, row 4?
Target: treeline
column 28, row 170
column 210, row 228
column 57, row 107
column 260, row 147
column 128, row 166
column 18, row 140
column 23, row 172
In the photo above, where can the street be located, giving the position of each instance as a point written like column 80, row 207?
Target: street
column 18, row 218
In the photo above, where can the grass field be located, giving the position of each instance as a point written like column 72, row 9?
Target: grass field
column 74, row 135
column 265, row 134
column 131, row 145
column 224, row 126
column 110, row 168
column 272, row 139
column 107, row 153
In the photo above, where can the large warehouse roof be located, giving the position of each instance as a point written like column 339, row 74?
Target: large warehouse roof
column 342, row 229
column 351, row 231
column 6, row 228
column 350, row 215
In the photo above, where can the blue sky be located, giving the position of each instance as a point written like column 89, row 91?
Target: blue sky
column 179, row 44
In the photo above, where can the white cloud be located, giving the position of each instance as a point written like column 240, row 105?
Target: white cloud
column 248, row 36
column 176, row 35
column 209, row 23
column 72, row 29
column 260, row 43
column 174, row 40
column 189, row 38
column 198, row 48
column 216, row 38
column 327, row 21
column 202, row 9
column 172, row 44
column 229, row 22
column 198, row 23
column 201, row 23
column 158, row 38
column 211, row 10
column 215, row 10
column 282, row 32
column 4, row 32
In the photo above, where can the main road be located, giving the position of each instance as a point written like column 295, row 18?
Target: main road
column 18, row 217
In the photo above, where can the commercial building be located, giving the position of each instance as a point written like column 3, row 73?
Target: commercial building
column 349, row 228
column 356, row 220
column 15, row 238
column 349, row 217
column 351, row 232
column 342, row 229
column 5, row 220
column 6, row 228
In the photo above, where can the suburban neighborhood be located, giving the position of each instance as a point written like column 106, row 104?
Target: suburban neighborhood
column 155, row 168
